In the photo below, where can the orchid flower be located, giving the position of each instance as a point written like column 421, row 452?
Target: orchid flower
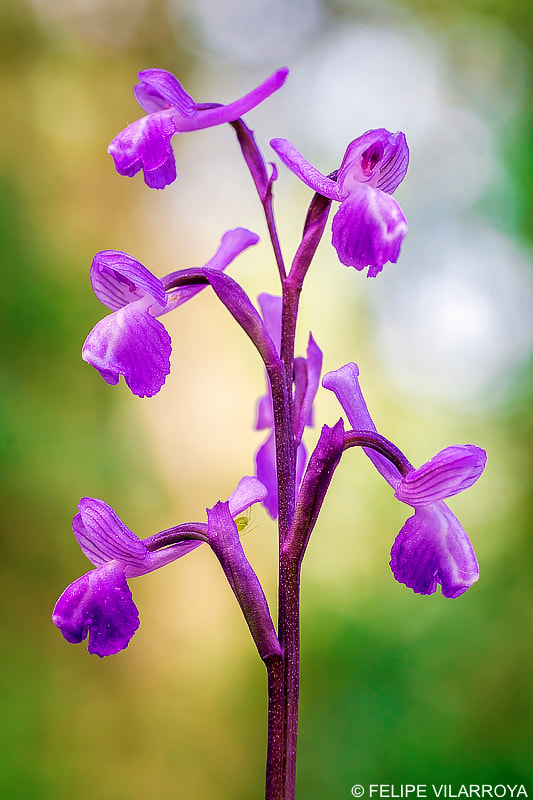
column 369, row 226
column 100, row 604
column 432, row 547
column 131, row 341
column 306, row 383
column 146, row 143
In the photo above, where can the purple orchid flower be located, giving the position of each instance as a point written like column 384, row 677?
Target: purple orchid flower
column 146, row 143
column 432, row 547
column 100, row 604
column 131, row 341
column 306, row 383
column 369, row 226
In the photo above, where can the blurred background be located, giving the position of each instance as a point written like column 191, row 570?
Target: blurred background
column 396, row 688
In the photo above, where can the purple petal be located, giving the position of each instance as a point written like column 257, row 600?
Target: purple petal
column 377, row 158
column 160, row 558
column 265, row 468
column 132, row 343
column 265, row 413
column 145, row 144
column 207, row 117
column 118, row 279
column 449, row 472
column 98, row 604
column 226, row 544
column 249, row 491
column 433, row 548
column 102, row 535
column 304, row 170
column 270, row 306
column 368, row 229
column 314, row 368
column 232, row 244
column 159, row 89
column 344, row 383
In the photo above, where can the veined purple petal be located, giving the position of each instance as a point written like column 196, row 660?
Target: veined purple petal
column 265, row 468
column 156, row 559
column 100, row 605
column 145, row 144
column 344, row 383
column 102, row 535
column 226, row 544
column 270, row 306
column 433, row 548
column 449, row 472
column 249, row 491
column 368, row 229
column 232, row 244
column 378, row 158
column 118, row 279
column 207, row 117
column 132, row 343
column 304, row 170
column 159, row 89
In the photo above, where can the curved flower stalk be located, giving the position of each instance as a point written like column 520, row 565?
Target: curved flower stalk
column 306, row 382
column 146, row 143
column 369, row 226
column 432, row 547
column 100, row 604
column 131, row 341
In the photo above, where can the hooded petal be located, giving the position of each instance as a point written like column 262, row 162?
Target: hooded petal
column 159, row 89
column 368, row 229
column 378, row 158
column 145, row 144
column 132, row 343
column 102, row 535
column 118, row 279
column 449, row 472
column 433, row 548
column 304, row 170
column 100, row 605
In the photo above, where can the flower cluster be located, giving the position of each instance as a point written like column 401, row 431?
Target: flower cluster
column 368, row 228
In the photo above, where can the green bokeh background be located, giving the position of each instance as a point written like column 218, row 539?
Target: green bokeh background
column 395, row 688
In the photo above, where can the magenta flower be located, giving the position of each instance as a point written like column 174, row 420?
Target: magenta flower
column 131, row 341
column 369, row 226
column 100, row 604
column 146, row 143
column 306, row 383
column 432, row 547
